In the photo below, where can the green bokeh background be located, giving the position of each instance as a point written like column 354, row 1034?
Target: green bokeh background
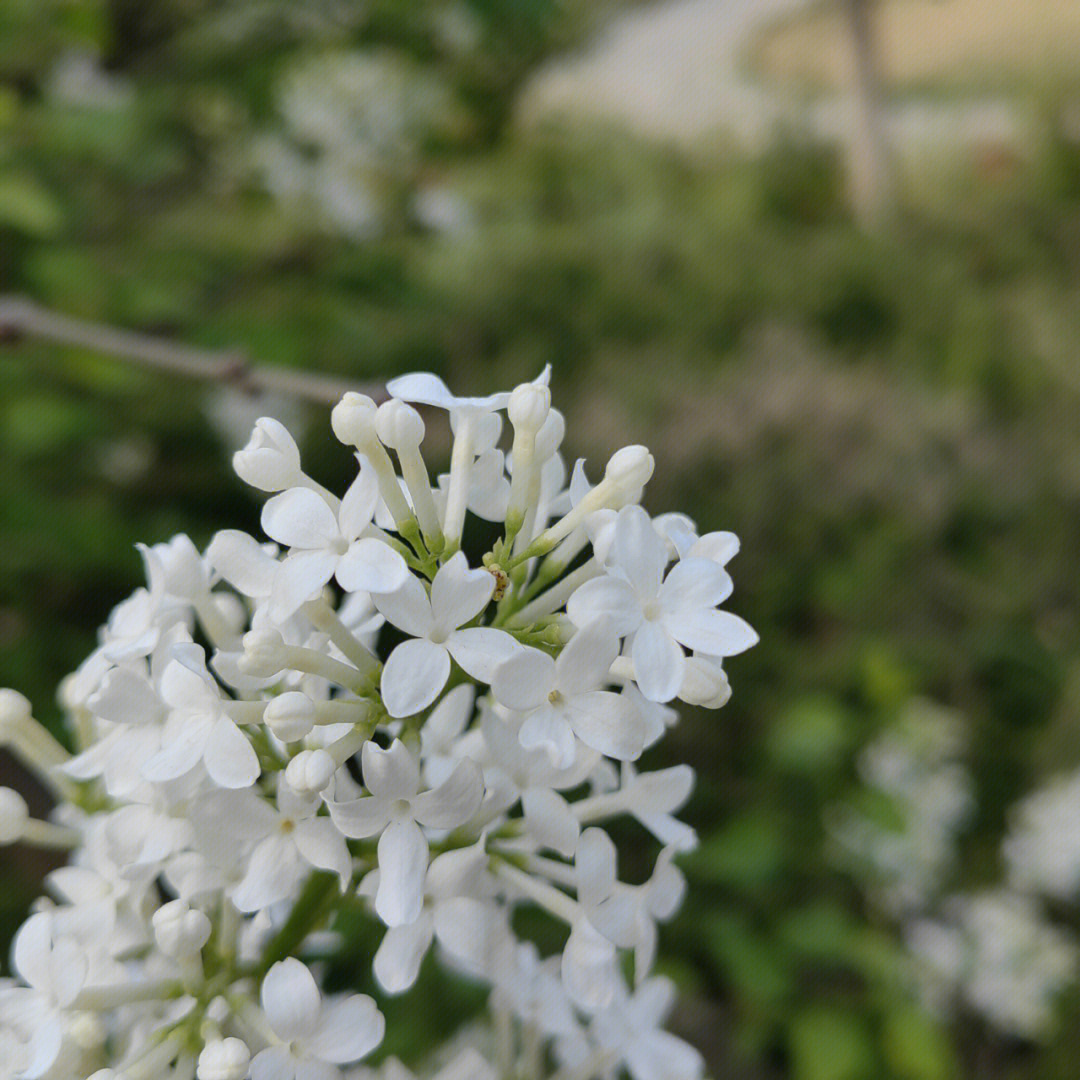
column 888, row 422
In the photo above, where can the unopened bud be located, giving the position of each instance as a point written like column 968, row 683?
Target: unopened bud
column 704, row 683
column 264, row 653
column 224, row 1059
column 13, row 815
column 353, row 420
column 180, row 930
column 529, row 406
column 271, row 460
column 399, row 425
column 290, row 716
column 310, row 772
column 630, row 468
column 15, row 713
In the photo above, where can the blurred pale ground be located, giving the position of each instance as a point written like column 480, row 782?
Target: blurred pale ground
column 889, row 868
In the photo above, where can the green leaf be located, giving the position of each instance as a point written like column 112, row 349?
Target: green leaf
column 747, row 853
column 917, row 1048
column 830, row 1044
column 27, row 207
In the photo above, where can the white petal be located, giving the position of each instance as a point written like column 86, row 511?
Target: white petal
column 390, row 774
column 299, row 578
column 349, row 1029
column 273, row 871
column 402, row 950
column 359, row 502
column 659, row 1055
column 588, row 967
column 608, row 722
column 548, row 729
column 480, row 650
column 274, row 1063
column 594, row 866
column 550, row 820
column 300, row 518
column 422, row 387
column 695, row 583
column 241, row 560
column 454, row 801
column 658, row 662
column 716, row 633
column 31, row 948
column 183, row 688
column 319, row 841
column 638, row 551
column 230, row 759
column 605, row 597
column 290, row 999
column 185, row 743
column 371, row 565
column 360, row 818
column 587, row 657
column 459, row 594
column 413, row 677
column 407, row 608
column 125, row 697
column 524, row 680
column 662, row 791
column 450, row 717
column 721, row 547
column 403, row 861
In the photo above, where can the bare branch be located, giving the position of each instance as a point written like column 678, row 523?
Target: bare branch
column 22, row 318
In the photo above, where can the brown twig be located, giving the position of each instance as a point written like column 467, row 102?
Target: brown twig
column 22, row 318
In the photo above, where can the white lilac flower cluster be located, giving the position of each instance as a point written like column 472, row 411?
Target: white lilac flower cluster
column 353, row 716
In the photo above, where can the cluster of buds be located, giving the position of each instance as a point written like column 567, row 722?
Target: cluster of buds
column 351, row 717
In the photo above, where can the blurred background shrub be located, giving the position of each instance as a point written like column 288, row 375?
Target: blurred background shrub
column 887, row 417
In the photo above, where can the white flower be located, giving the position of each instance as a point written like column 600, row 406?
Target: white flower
column 315, row 1036
column 271, row 460
column 563, row 698
column 661, row 613
column 417, row 670
column 324, row 545
column 394, row 811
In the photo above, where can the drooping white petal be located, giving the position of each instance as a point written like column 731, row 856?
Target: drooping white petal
column 716, row 633
column 273, row 871
column 183, row 748
column 454, row 801
column 126, row 697
column 550, row 820
column 588, row 967
column 413, row 677
column 549, row 730
column 390, row 774
column 300, row 518
column 230, row 759
column 183, row 688
column 587, row 657
column 359, row 502
column 407, row 608
column 524, row 680
column 662, row 791
column 299, row 578
column 360, row 818
column 459, row 594
column 273, row 1063
column 608, row 722
column 401, row 952
column 721, row 547
column 290, row 998
column 349, row 1029
column 242, row 561
column 695, row 583
column 605, row 597
column 321, row 844
column 479, row 650
column 594, row 866
column 403, row 861
column 658, row 662
column 663, row 1056
column 371, row 565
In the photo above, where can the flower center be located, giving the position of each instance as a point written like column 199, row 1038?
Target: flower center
column 651, row 610
column 287, row 826
column 401, row 809
column 555, row 697
column 339, row 545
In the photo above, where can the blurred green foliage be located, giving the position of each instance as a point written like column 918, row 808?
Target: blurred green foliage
column 888, row 423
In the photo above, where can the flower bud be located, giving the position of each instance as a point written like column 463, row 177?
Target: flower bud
column 271, row 460
column 179, row 930
column 15, row 713
column 13, row 815
column 529, row 406
column 290, row 716
column 704, row 683
column 264, row 653
column 398, row 425
column 630, row 468
column 224, row 1059
column 353, row 420
column 310, row 772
